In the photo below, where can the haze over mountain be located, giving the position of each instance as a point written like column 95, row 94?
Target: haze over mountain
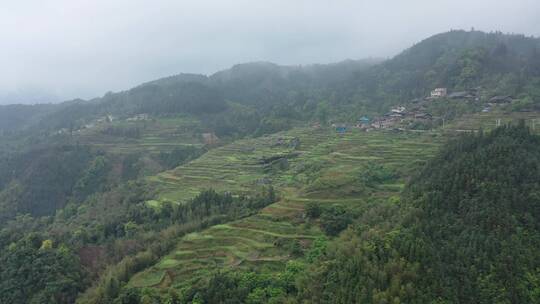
column 267, row 183
column 28, row 96
column 237, row 156
column 83, row 49
column 500, row 64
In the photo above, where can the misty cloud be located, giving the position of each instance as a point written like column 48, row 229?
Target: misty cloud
column 69, row 49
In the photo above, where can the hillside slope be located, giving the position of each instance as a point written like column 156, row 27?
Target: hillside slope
column 458, row 60
column 470, row 232
column 494, row 63
column 325, row 167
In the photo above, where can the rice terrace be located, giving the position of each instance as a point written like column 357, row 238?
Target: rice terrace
column 270, row 152
column 326, row 167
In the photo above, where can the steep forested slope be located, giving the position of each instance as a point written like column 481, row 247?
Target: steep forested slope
column 40, row 181
column 480, row 219
column 16, row 117
column 458, row 60
column 469, row 233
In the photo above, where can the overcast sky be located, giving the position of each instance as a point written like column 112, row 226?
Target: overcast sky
column 75, row 48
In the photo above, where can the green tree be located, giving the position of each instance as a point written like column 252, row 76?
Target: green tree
column 322, row 112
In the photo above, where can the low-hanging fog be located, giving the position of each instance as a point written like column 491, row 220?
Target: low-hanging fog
column 63, row 49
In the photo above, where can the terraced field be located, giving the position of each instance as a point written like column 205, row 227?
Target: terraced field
column 156, row 135
column 325, row 167
column 488, row 121
column 236, row 168
column 314, row 165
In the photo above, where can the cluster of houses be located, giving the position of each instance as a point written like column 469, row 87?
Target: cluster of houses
column 400, row 117
column 397, row 118
column 108, row 118
column 102, row 120
column 394, row 119
column 471, row 94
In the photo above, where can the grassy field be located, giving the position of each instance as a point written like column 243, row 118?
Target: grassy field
column 325, row 167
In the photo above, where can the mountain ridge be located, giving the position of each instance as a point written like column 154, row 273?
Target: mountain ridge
column 456, row 60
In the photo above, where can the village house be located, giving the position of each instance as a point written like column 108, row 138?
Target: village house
column 363, row 120
column 439, row 92
column 423, row 116
column 341, row 128
column 500, row 99
column 210, row 139
column 61, row 131
column 469, row 94
column 376, row 124
column 388, row 123
column 396, row 115
column 106, row 119
column 138, row 117
column 460, row 95
column 398, row 110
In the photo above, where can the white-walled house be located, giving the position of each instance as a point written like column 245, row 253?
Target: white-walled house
column 439, row 92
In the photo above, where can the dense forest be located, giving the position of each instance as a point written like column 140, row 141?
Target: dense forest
column 93, row 192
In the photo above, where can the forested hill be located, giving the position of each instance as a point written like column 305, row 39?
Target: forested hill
column 254, row 91
column 266, row 84
column 470, row 234
column 13, row 117
column 495, row 63
column 480, row 219
column 498, row 64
